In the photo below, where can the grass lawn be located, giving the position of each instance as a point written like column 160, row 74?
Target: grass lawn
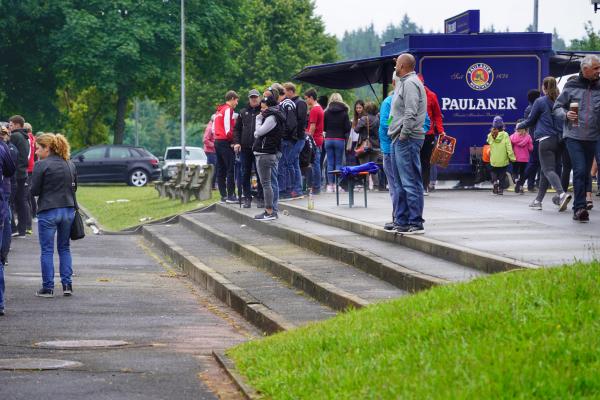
column 520, row 335
column 143, row 203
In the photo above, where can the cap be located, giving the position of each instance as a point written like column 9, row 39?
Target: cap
column 253, row 93
column 498, row 122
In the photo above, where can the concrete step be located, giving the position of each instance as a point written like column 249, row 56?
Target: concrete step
column 456, row 253
column 264, row 300
column 330, row 281
column 404, row 267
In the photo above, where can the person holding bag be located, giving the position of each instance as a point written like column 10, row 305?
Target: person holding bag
column 367, row 148
column 54, row 181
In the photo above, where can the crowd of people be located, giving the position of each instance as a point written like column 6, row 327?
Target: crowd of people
column 38, row 185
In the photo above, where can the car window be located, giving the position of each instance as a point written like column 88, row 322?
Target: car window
column 95, row 153
column 196, row 154
column 119, row 153
column 173, row 154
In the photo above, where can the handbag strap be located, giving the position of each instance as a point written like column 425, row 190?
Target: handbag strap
column 72, row 185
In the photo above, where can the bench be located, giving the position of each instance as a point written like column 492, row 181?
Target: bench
column 362, row 177
column 171, row 186
column 161, row 186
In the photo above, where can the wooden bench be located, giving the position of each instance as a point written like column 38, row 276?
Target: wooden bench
column 171, row 186
column 200, row 186
column 161, row 186
column 352, row 179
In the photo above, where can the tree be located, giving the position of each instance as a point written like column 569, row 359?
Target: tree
column 589, row 43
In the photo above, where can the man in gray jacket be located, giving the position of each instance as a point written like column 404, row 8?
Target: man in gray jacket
column 407, row 117
column 580, row 104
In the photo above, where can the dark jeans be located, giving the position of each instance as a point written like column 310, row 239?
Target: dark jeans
column 32, row 203
column 225, row 168
column 248, row 161
column 533, row 167
column 6, row 235
column 212, row 160
column 549, row 156
column 582, row 156
column 56, row 222
column 426, row 151
column 285, row 170
column 519, row 172
column 499, row 174
column 22, row 205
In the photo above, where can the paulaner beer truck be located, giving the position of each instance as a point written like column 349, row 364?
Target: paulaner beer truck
column 476, row 76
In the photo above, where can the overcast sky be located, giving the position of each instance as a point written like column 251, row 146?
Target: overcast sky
column 568, row 16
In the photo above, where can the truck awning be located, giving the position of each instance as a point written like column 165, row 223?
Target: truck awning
column 367, row 71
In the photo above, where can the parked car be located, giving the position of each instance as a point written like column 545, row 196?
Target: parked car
column 193, row 156
column 135, row 166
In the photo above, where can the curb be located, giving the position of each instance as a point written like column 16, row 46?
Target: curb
column 396, row 274
column 482, row 261
column 227, row 364
column 232, row 295
column 324, row 292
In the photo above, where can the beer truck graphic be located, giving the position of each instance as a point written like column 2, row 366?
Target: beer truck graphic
column 476, row 76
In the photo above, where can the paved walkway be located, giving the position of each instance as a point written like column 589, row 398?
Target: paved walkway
column 121, row 292
column 502, row 225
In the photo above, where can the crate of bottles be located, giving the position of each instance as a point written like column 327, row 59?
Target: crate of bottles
column 443, row 150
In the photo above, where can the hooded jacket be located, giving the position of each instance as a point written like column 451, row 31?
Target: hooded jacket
column 433, row 110
column 409, row 108
column 243, row 132
column 587, row 94
column 269, row 127
column 20, row 139
column 501, row 151
column 522, row 146
column 542, row 120
column 209, row 138
column 337, row 123
column 224, row 123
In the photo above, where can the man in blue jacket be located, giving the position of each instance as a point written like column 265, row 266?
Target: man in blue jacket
column 579, row 103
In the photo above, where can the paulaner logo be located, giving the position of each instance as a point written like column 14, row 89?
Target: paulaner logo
column 480, row 76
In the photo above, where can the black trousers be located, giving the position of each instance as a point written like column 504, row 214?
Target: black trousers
column 426, row 151
column 519, row 172
column 534, row 166
column 499, row 174
column 248, row 161
column 22, row 205
column 32, row 203
column 225, row 168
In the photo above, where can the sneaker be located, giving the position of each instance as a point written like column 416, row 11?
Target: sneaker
column 260, row 203
column 536, row 205
column 67, row 289
column 589, row 204
column 265, row 216
column 556, row 200
column 231, row 200
column 330, row 189
column 500, row 191
column 411, row 230
column 44, row 292
column 29, row 232
column 247, row 203
column 496, row 187
column 581, row 215
column 390, row 226
column 518, row 189
column 1, row 312
column 564, row 200
column 425, row 192
column 223, row 200
column 17, row 235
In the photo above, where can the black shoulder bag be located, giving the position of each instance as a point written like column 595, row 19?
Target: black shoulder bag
column 77, row 228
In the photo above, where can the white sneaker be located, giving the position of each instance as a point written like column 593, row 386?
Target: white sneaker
column 330, row 188
column 564, row 200
column 536, row 205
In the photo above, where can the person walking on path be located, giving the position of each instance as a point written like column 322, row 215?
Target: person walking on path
column 224, row 126
column 522, row 146
column 54, row 181
column 243, row 139
column 547, row 128
column 314, row 129
column 209, row 148
column 337, row 130
column 409, row 108
column 368, row 139
column 7, row 169
column 501, row 154
column 579, row 103
column 533, row 168
column 19, row 137
column 267, row 140
column 436, row 128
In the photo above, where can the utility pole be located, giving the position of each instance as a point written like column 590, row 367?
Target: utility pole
column 536, row 6
column 137, row 117
column 183, row 82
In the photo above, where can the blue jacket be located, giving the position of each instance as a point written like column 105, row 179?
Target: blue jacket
column 384, row 116
column 542, row 120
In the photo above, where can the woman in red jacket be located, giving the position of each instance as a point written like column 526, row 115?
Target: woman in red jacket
column 436, row 127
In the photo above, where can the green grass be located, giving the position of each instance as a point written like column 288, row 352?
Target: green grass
column 519, row 335
column 143, row 203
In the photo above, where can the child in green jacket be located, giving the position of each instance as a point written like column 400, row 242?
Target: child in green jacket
column 501, row 153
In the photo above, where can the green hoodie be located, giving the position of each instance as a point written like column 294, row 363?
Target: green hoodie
column 501, row 151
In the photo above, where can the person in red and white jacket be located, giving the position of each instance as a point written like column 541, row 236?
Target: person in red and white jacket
column 436, row 127
column 223, row 126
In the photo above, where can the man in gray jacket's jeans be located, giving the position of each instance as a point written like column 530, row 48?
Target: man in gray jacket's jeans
column 581, row 130
column 407, row 117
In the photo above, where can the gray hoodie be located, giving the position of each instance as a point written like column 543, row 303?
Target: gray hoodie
column 587, row 94
column 409, row 107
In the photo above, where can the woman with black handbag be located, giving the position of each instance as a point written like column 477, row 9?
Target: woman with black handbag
column 368, row 149
column 54, row 181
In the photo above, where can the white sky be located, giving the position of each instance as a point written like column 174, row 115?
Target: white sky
column 568, row 16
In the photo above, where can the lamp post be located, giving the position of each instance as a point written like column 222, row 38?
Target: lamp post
column 183, row 82
column 536, row 7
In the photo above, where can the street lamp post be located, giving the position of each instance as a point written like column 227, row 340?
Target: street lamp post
column 183, row 82
column 536, row 7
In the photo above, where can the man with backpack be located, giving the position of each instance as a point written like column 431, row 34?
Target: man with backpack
column 294, row 186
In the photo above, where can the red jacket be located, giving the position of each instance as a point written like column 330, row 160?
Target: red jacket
column 433, row 110
column 209, row 138
column 224, row 123
column 32, row 156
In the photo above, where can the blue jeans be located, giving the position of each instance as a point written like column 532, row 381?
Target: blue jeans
column 211, row 159
column 410, row 189
column 56, row 221
column 335, row 157
column 389, row 167
column 316, row 171
column 4, row 224
column 283, row 175
column 295, row 164
column 582, row 154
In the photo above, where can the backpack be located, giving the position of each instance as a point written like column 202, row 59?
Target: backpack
column 290, row 120
column 308, row 153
